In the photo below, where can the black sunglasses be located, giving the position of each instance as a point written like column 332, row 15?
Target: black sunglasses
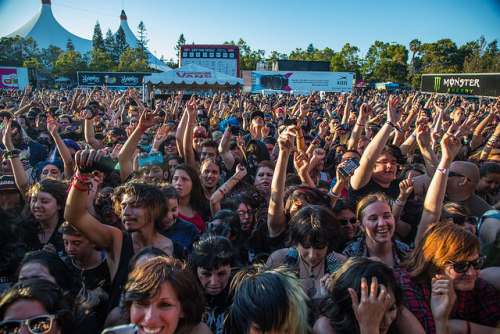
column 463, row 266
column 452, row 174
column 461, row 220
column 344, row 221
column 39, row 324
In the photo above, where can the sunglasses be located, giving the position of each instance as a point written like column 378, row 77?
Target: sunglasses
column 463, row 266
column 39, row 324
column 344, row 221
column 452, row 174
column 460, row 220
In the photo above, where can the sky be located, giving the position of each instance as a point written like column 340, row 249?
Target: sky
column 272, row 25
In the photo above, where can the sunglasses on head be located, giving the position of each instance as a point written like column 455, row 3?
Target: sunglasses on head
column 344, row 221
column 39, row 324
column 463, row 266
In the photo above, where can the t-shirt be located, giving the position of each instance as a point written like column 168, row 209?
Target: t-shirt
column 182, row 232
column 197, row 221
column 392, row 192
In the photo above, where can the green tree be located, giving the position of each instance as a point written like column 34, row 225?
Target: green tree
column 386, row 62
column 414, row 48
column 49, row 56
column 70, row 45
column 311, row 49
column 483, row 58
column 133, row 60
column 248, row 58
column 347, row 60
column 110, row 47
column 121, row 42
column 180, row 41
column 442, row 56
column 101, row 61
column 97, row 40
column 14, row 51
column 141, row 31
column 68, row 64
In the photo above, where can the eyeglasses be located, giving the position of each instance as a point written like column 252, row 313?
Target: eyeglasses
column 461, row 220
column 243, row 214
column 344, row 221
column 463, row 266
column 39, row 324
column 452, row 174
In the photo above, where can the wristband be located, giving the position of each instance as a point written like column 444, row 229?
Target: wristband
column 73, row 185
column 360, row 124
column 331, row 193
column 222, row 192
column 140, row 127
column 82, row 178
column 442, row 170
column 399, row 202
column 191, row 123
column 413, row 136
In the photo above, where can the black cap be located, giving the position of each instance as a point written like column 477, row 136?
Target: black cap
column 7, row 182
column 257, row 113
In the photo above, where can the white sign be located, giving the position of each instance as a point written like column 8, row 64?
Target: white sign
column 286, row 82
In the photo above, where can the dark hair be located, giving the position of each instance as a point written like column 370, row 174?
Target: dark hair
column 44, row 292
column 169, row 192
column 211, row 253
column 343, row 204
column 230, row 223
column 266, row 163
column 272, row 299
column 142, row 252
column 209, row 143
column 337, row 306
column 315, row 226
column 310, row 195
column 68, row 229
column 197, row 198
column 56, row 188
column 54, row 265
column 145, row 282
column 146, row 195
column 489, row 168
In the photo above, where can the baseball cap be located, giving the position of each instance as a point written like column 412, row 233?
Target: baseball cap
column 7, row 182
column 257, row 113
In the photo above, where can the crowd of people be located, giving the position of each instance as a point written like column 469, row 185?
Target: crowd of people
column 366, row 212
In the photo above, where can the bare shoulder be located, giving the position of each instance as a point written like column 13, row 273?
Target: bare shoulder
column 323, row 326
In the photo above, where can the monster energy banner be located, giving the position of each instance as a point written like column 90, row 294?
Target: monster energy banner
column 111, row 79
column 463, row 84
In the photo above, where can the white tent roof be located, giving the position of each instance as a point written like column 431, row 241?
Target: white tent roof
column 193, row 76
column 132, row 41
column 45, row 30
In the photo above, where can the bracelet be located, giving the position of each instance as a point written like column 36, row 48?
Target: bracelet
column 399, row 202
column 360, row 124
column 222, row 192
column 442, row 170
column 14, row 152
column 333, row 194
column 81, row 178
column 394, row 126
column 191, row 123
column 413, row 136
column 140, row 127
column 73, row 185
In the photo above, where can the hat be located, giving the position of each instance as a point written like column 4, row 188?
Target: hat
column 257, row 113
column 7, row 182
column 32, row 114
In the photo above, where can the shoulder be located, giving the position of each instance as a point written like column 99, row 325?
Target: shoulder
column 277, row 257
column 201, row 328
column 323, row 326
column 354, row 248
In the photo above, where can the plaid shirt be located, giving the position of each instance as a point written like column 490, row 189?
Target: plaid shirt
column 480, row 305
column 358, row 248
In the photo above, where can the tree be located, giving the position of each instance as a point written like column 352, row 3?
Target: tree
column 97, row 40
column 69, row 45
column 133, row 60
column 170, row 63
column 248, row 58
column 110, row 47
column 347, row 60
column 442, row 56
column 386, row 62
column 14, row 51
column 180, row 41
column 483, row 57
column 101, row 61
column 311, row 49
column 68, row 64
column 49, row 56
column 141, row 31
column 414, row 48
column 121, row 42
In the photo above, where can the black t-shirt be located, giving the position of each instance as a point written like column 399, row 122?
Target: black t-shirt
column 392, row 192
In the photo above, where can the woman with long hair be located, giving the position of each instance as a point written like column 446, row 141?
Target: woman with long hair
column 193, row 205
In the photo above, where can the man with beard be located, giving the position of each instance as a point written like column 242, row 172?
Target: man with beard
column 210, row 175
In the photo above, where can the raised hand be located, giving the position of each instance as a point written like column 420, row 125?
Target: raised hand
column 241, row 171
column 323, row 129
column 442, row 298
column 304, row 109
column 301, row 163
column 191, row 108
column 265, row 131
column 7, row 134
column 161, row 135
column 450, row 146
column 370, row 309
column 406, row 187
column 393, row 109
column 148, row 119
column 52, row 125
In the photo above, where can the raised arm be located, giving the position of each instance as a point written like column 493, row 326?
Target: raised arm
column 364, row 113
column 20, row 176
column 276, row 221
column 88, row 128
column 217, row 196
column 190, row 110
column 437, row 189
column 405, row 189
column 52, row 127
column 147, row 120
column 225, row 153
column 363, row 174
column 179, row 134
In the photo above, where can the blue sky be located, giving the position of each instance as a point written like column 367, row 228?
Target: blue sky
column 272, row 25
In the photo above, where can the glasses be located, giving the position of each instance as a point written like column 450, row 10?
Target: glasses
column 452, row 174
column 461, row 220
column 39, row 324
column 344, row 221
column 463, row 266
column 243, row 214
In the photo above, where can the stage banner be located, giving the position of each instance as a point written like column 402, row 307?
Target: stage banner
column 286, row 82
column 111, row 79
column 484, row 84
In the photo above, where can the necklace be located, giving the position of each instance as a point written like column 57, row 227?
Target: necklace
column 311, row 291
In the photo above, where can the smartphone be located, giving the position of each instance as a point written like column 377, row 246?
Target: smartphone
column 350, row 167
column 149, row 159
column 106, row 164
column 122, row 329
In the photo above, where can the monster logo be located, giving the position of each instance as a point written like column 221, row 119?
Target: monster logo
column 437, row 83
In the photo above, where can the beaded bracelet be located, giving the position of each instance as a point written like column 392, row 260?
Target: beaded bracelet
column 399, row 202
